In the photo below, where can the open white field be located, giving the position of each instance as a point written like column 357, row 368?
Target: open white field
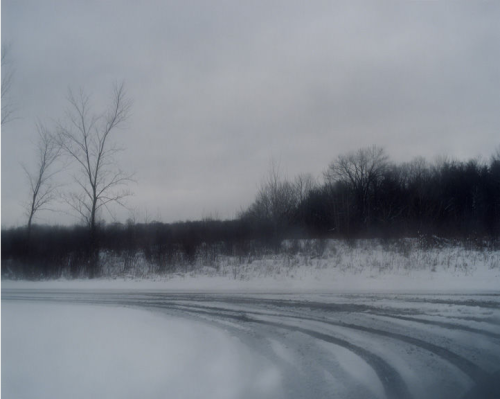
column 60, row 351
column 158, row 343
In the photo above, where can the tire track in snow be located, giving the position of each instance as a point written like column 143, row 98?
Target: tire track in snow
column 467, row 302
column 447, row 325
column 474, row 372
column 477, row 374
column 450, row 326
column 469, row 368
column 393, row 383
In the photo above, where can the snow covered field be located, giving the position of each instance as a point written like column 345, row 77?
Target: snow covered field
column 59, row 351
column 149, row 344
column 362, row 321
column 364, row 266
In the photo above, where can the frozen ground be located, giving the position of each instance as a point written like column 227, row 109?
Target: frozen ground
column 59, row 351
column 300, row 279
column 336, row 321
column 148, row 344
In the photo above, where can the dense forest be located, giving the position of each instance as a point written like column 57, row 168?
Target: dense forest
column 362, row 195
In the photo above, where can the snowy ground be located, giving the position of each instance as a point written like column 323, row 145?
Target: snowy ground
column 58, row 351
column 368, row 320
column 301, row 279
column 121, row 343
column 363, row 266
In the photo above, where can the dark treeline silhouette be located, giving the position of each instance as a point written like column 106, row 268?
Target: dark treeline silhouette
column 363, row 195
column 61, row 251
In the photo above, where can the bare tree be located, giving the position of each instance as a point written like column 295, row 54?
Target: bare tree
column 7, row 76
column 277, row 196
column 42, row 188
column 275, row 203
column 361, row 171
column 304, row 184
column 87, row 139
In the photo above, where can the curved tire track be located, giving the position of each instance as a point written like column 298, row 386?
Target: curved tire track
column 393, row 383
column 474, row 372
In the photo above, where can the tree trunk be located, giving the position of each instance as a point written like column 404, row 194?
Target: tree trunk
column 93, row 250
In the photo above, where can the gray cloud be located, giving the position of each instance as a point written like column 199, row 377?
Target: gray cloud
column 220, row 88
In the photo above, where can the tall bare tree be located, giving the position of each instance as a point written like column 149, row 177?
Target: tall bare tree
column 7, row 76
column 42, row 187
column 277, row 197
column 304, row 184
column 361, row 171
column 275, row 203
column 87, row 139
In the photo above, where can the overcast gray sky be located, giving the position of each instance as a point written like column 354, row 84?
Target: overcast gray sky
column 220, row 88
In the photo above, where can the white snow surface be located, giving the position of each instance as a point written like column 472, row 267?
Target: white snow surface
column 482, row 279
column 58, row 351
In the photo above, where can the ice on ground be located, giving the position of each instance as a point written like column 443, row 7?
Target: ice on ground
column 61, row 351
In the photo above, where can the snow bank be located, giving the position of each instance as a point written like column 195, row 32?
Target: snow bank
column 70, row 351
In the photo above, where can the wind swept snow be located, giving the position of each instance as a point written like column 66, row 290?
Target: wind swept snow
column 88, row 343
column 57, row 351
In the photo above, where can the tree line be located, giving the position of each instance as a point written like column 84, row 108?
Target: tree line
column 362, row 194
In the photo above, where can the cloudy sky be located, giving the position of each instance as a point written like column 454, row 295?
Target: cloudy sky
column 220, row 88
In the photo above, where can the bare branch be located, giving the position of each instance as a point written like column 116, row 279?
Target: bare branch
column 86, row 138
column 42, row 189
column 7, row 78
column 361, row 171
